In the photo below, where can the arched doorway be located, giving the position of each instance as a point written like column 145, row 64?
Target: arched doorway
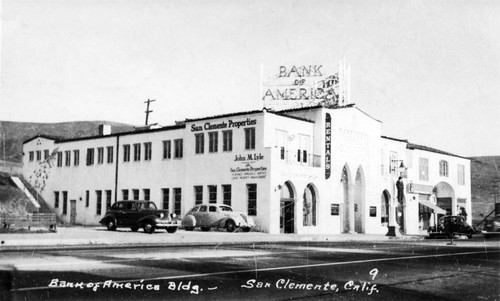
column 384, row 208
column 287, row 208
column 444, row 197
column 309, row 209
column 359, row 201
column 346, row 207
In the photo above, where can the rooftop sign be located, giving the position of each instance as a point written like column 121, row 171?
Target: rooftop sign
column 295, row 86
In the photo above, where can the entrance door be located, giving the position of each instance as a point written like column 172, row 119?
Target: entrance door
column 287, row 216
column 72, row 217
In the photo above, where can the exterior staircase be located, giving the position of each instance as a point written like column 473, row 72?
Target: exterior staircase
column 28, row 194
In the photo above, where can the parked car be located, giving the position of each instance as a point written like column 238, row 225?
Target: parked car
column 450, row 225
column 207, row 216
column 139, row 214
column 492, row 226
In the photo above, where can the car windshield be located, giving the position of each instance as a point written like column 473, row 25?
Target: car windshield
column 148, row 205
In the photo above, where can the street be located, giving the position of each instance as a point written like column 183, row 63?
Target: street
column 389, row 270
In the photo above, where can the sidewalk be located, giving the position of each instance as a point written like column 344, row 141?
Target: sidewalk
column 98, row 237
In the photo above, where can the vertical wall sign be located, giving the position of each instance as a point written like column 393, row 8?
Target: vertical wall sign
column 328, row 145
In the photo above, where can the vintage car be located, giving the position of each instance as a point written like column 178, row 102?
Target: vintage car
column 492, row 226
column 451, row 225
column 139, row 214
column 207, row 216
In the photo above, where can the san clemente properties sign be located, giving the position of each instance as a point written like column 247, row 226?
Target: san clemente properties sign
column 223, row 125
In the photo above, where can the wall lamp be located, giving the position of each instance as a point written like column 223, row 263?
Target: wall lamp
column 395, row 162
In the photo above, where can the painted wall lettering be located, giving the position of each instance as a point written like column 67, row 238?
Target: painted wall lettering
column 223, row 125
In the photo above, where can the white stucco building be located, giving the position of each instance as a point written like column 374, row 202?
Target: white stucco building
column 323, row 170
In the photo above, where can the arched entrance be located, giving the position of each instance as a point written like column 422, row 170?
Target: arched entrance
column 359, row 201
column 287, row 208
column 444, row 197
column 384, row 208
column 345, row 191
column 309, row 209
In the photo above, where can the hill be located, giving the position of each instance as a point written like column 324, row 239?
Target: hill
column 17, row 132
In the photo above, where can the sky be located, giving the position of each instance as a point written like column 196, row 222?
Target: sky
column 429, row 70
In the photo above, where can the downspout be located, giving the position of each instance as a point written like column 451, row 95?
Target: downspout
column 116, row 165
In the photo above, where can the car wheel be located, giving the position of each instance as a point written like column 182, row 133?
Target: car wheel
column 246, row 229
column 149, row 227
column 189, row 228
column 230, row 226
column 206, row 229
column 171, row 229
column 134, row 229
column 111, row 225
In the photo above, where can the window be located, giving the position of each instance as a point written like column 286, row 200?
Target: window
column 212, row 194
column 67, row 157
column 126, row 153
column 109, row 151
column 199, row 143
column 76, row 157
column 147, row 151
column 423, row 166
column 166, row 198
column 198, row 195
column 177, row 201
column 100, row 155
column 90, row 156
column 135, row 194
column 87, row 198
column 45, row 154
column 227, row 141
column 213, row 142
column 99, row 202
column 32, row 156
column 108, row 198
column 147, row 194
column 59, row 159
column 250, row 138
column 38, row 155
column 461, row 174
column 303, row 147
column 226, row 194
column 56, row 199
column 252, row 199
column 137, row 152
column 443, row 168
column 167, row 149
column 65, row 202
column 178, row 148
column 125, row 194
column 298, row 155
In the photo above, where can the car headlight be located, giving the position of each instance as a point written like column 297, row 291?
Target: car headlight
column 173, row 215
column 162, row 215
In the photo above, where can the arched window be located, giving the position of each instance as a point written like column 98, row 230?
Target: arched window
column 443, row 168
column 309, row 208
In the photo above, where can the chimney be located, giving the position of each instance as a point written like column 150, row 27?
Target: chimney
column 104, row 129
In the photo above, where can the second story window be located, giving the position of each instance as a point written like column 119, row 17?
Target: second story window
column 32, row 156
column 109, row 151
column 126, row 153
column 213, row 142
column 137, row 152
column 38, row 155
column 59, row 159
column 178, row 144
column 90, row 156
column 76, row 157
column 423, row 168
column 100, row 155
column 199, row 143
column 147, row 151
column 461, row 174
column 227, row 141
column 67, row 155
column 249, row 138
column 443, row 168
column 167, row 149
column 46, row 154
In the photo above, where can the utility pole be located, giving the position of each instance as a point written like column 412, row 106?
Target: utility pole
column 148, row 110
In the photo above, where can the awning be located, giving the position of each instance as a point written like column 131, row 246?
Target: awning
column 436, row 209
